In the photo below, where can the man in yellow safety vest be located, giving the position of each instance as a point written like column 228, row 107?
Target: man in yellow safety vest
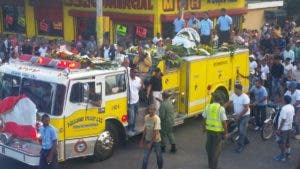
column 216, row 127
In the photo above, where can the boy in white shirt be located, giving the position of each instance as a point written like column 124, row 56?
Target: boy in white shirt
column 285, row 123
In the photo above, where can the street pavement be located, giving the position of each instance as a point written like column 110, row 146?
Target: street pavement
column 191, row 154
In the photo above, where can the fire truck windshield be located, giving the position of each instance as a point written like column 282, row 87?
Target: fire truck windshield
column 48, row 97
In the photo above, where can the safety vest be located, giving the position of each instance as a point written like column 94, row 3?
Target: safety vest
column 213, row 118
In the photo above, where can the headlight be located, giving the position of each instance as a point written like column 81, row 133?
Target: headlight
column 5, row 138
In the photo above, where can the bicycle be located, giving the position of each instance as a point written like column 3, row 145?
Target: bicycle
column 267, row 130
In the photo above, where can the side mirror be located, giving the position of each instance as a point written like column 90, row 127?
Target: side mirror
column 86, row 89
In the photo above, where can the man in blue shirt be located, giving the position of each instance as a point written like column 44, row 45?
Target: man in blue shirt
column 193, row 22
column 224, row 23
column 205, row 25
column 179, row 23
column 260, row 102
column 48, row 155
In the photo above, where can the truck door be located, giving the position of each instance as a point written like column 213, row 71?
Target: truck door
column 197, row 89
column 83, row 120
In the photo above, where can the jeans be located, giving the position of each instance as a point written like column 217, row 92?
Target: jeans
column 43, row 160
column 275, row 87
column 147, row 153
column 132, row 113
column 260, row 115
column 242, row 126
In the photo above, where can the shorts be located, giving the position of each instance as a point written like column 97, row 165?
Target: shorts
column 283, row 137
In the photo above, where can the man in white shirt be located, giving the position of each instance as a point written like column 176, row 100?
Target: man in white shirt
column 241, row 113
column 284, row 125
column 43, row 50
column 294, row 93
column 253, row 64
column 264, row 70
column 157, row 38
column 135, row 84
column 289, row 53
column 296, row 72
column 288, row 67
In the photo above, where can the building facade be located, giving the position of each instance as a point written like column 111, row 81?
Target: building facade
column 129, row 19
column 258, row 13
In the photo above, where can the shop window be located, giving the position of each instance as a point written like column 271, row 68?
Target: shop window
column 86, row 27
column 131, row 32
column 168, row 30
column 13, row 18
column 49, row 19
column 115, row 84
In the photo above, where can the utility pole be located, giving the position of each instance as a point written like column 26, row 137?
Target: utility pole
column 99, row 22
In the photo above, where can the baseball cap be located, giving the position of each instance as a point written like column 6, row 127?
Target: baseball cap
column 166, row 94
column 238, row 86
column 252, row 56
column 288, row 59
column 292, row 85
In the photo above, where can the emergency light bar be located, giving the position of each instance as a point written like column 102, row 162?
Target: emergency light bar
column 45, row 61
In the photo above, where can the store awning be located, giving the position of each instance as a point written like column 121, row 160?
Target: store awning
column 212, row 14
column 114, row 16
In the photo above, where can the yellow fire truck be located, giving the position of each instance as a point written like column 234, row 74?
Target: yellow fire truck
column 88, row 107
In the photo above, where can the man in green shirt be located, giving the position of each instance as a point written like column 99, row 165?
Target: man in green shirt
column 297, row 50
column 166, row 114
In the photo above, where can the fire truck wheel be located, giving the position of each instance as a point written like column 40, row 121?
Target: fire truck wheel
column 106, row 143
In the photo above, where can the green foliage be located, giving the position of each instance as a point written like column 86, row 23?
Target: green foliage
column 179, row 50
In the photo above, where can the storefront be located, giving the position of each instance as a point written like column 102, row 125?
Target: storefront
column 148, row 17
column 131, row 20
column 13, row 16
column 49, row 18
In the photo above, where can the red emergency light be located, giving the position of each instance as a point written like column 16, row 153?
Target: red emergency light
column 44, row 61
column 25, row 57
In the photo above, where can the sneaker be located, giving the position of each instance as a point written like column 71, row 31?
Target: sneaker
column 256, row 128
column 279, row 158
column 287, row 155
column 239, row 149
column 131, row 133
column 297, row 137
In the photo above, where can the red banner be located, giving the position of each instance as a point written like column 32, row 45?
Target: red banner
column 9, row 20
column 141, row 31
column 44, row 26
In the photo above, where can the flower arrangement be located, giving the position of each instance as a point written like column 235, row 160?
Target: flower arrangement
column 231, row 48
column 172, row 59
